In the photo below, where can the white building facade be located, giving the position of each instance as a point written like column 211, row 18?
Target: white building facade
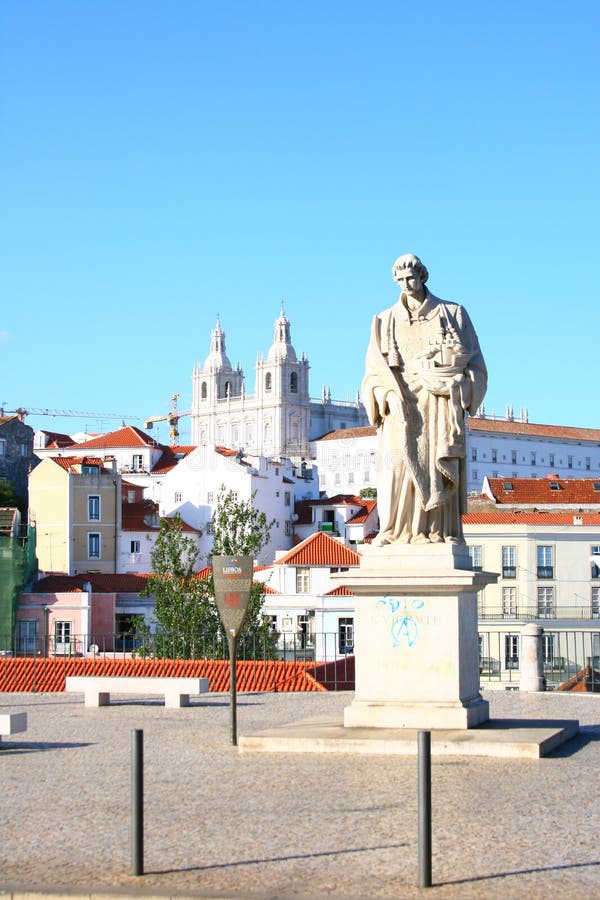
column 279, row 419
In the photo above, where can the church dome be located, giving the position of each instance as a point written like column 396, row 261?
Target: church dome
column 217, row 359
column 281, row 348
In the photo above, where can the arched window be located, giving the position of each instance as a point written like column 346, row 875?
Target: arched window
column 268, row 381
column 227, row 388
column 294, row 382
column 267, row 432
column 203, row 391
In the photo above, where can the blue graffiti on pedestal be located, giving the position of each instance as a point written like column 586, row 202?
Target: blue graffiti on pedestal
column 404, row 628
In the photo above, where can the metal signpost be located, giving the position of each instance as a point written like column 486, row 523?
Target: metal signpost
column 232, row 576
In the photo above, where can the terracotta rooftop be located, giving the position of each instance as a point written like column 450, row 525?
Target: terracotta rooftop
column 344, row 433
column 70, row 463
column 341, row 591
column 538, row 491
column 225, row 451
column 101, row 584
column 527, row 517
column 128, row 436
column 170, row 457
column 319, row 550
column 56, row 439
column 530, row 429
column 363, row 515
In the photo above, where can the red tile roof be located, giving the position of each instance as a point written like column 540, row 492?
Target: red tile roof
column 319, row 550
column 530, row 429
column 341, row 591
column 525, row 517
column 267, row 589
column 538, row 491
column 345, row 433
column 129, row 436
column 56, row 439
column 70, row 463
column 362, row 516
column 101, row 584
column 170, row 457
column 225, row 451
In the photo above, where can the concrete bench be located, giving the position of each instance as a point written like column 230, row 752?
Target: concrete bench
column 98, row 688
column 12, row 723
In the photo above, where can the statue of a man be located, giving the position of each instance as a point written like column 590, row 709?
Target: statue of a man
column 424, row 373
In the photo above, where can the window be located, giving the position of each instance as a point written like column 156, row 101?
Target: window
column 473, row 454
column 137, row 462
column 305, row 630
column 511, row 651
column 509, row 602
column 209, row 528
column 234, row 496
column 210, row 496
column 551, row 459
column 27, row 636
column 570, row 462
column 475, row 475
column 476, row 554
column 271, row 620
column 595, row 562
column 555, row 486
column 228, row 389
column 288, row 527
column 287, row 498
column 494, row 456
column 294, row 383
column 178, row 497
column 268, row 381
column 350, row 477
column 513, row 457
column 62, row 637
column 507, row 486
column 24, row 449
column 93, row 545
column 596, row 485
column 595, row 603
column 548, row 649
column 89, row 469
column 588, row 462
column 131, row 496
column 509, row 562
column 134, row 546
column 533, row 457
column 302, row 580
column 545, row 599
column 203, row 391
column 93, row 507
column 545, row 567
column 2, row 447
column 346, row 635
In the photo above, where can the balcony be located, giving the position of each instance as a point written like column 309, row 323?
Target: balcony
column 545, row 571
column 509, row 571
column 531, row 614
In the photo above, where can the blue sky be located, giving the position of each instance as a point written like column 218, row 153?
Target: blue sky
column 165, row 162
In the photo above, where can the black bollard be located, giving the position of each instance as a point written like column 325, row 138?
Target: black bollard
column 424, row 753
column 137, row 801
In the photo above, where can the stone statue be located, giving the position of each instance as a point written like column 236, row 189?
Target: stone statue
column 424, row 373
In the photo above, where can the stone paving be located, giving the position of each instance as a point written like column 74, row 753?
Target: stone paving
column 222, row 824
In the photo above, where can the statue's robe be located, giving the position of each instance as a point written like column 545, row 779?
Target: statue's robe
column 421, row 465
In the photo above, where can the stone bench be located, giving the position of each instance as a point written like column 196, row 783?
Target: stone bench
column 12, row 723
column 98, row 688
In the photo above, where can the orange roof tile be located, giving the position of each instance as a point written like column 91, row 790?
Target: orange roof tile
column 531, row 429
column 537, row 491
column 56, row 439
column 225, row 451
column 319, row 550
column 345, row 433
column 69, row 463
column 526, row 517
column 341, row 591
column 363, row 515
column 101, row 584
column 170, row 457
column 128, row 436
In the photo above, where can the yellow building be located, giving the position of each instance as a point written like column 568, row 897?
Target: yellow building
column 75, row 505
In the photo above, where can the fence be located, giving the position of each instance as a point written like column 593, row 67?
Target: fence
column 568, row 655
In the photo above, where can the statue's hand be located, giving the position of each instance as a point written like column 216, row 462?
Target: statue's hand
column 394, row 405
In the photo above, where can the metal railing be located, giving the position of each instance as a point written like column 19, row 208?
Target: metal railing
column 531, row 614
column 569, row 655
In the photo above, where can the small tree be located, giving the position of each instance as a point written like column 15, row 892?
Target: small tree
column 368, row 493
column 184, row 612
column 240, row 529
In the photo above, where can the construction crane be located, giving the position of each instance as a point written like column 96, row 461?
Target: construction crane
column 22, row 411
column 172, row 417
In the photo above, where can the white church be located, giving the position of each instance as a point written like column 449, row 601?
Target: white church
column 280, row 418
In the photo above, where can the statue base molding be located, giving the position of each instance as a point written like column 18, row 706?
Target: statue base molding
column 416, row 640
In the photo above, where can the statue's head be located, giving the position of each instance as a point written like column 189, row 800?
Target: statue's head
column 408, row 261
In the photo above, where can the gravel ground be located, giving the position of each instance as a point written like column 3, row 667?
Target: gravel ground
column 221, row 824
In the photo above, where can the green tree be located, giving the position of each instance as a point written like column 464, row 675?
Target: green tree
column 9, row 497
column 185, row 616
column 369, row 493
column 186, row 619
column 240, row 529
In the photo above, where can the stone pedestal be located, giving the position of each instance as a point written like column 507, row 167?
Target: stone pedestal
column 416, row 644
